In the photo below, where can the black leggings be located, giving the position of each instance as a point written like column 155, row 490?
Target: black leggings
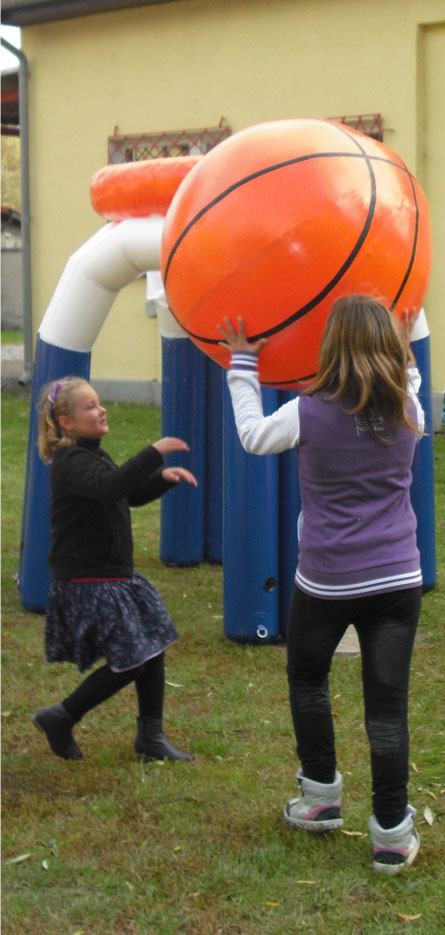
column 103, row 683
column 386, row 627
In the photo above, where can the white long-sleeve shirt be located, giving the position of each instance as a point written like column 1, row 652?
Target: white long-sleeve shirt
column 357, row 527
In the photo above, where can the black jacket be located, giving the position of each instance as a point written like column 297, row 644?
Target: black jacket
column 90, row 516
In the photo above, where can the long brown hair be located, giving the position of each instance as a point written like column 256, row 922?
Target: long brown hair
column 363, row 359
column 57, row 399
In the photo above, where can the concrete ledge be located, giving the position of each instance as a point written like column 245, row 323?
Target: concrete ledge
column 437, row 412
column 129, row 391
column 12, row 370
column 142, row 393
column 349, row 645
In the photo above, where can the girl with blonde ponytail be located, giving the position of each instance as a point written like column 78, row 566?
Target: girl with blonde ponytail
column 98, row 607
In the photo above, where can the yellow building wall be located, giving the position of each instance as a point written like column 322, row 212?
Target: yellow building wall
column 431, row 165
column 186, row 65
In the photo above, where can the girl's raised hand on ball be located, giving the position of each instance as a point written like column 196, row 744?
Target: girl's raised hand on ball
column 407, row 323
column 237, row 340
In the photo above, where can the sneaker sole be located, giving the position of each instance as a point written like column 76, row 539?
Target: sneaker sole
column 327, row 824
column 393, row 869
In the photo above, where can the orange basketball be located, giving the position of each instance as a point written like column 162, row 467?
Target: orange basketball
column 280, row 220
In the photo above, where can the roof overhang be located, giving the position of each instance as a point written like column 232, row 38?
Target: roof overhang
column 18, row 13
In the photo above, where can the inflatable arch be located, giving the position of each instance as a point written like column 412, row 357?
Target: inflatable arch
column 259, row 553
column 92, row 278
column 116, row 255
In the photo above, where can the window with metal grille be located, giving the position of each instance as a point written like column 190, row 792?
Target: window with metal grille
column 371, row 124
column 136, row 146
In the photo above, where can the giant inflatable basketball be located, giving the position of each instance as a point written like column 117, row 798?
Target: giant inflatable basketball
column 277, row 222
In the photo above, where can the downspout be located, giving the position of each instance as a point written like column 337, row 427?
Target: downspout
column 25, row 212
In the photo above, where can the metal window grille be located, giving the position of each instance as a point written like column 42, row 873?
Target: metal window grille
column 137, row 146
column 371, row 124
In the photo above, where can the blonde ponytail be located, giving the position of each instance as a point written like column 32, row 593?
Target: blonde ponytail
column 56, row 400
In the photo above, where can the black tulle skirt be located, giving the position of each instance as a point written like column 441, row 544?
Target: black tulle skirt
column 125, row 622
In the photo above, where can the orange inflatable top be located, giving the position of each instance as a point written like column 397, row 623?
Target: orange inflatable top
column 138, row 189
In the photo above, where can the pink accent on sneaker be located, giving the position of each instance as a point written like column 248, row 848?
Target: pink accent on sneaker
column 391, row 850
column 312, row 815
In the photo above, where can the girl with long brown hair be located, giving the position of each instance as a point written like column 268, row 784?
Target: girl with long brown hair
column 355, row 429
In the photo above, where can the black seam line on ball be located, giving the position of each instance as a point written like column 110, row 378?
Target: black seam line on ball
column 250, row 178
column 326, row 289
column 413, row 249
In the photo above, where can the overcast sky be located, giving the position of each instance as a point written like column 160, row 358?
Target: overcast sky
column 12, row 34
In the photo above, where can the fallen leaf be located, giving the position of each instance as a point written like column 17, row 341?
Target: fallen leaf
column 432, row 794
column 408, row 918
column 19, row 859
column 79, row 932
column 354, row 834
column 177, row 848
column 45, row 864
column 306, row 882
column 428, row 816
column 414, row 767
column 268, row 903
column 174, row 684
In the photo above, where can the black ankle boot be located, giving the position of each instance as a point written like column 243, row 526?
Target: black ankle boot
column 57, row 724
column 152, row 744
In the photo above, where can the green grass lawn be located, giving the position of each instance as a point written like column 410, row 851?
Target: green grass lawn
column 107, row 846
column 9, row 336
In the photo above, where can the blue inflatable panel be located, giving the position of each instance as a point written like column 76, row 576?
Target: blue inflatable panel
column 183, row 416
column 213, row 521
column 289, row 510
column 51, row 363
column 250, row 539
column 422, row 489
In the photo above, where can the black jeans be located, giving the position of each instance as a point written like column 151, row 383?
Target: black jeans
column 386, row 627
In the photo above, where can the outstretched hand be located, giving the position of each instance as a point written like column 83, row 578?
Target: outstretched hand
column 407, row 323
column 167, row 444
column 237, row 340
column 173, row 475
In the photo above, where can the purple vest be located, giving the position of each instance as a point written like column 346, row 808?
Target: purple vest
column 358, row 529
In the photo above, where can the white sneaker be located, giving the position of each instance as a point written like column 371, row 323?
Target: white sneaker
column 396, row 848
column 318, row 808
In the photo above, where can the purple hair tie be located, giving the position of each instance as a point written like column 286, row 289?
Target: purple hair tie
column 53, row 394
